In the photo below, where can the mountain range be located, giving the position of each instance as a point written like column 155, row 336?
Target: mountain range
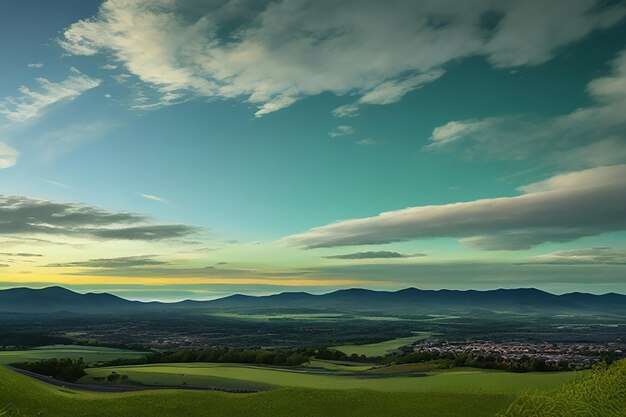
column 409, row 301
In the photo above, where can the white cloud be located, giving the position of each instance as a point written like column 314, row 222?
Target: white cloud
column 8, row 156
column 153, row 198
column 589, row 136
column 366, row 142
column 272, row 54
column 30, row 104
column 59, row 142
column 36, row 65
column 388, row 92
column 341, row 130
column 562, row 208
column 452, row 131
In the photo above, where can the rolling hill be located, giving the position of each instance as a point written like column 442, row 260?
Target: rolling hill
column 410, row 301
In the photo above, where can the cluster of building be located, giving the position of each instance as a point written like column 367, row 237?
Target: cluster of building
column 574, row 354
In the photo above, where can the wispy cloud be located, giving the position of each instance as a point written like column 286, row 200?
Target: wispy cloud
column 588, row 256
column 8, row 156
column 58, row 184
column 562, row 208
column 375, row 255
column 250, row 51
column 589, row 136
column 153, row 198
column 389, row 92
column 58, row 142
column 30, row 104
column 341, row 130
column 367, row 142
column 119, row 262
column 35, row 65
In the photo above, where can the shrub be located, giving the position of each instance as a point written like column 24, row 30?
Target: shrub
column 599, row 394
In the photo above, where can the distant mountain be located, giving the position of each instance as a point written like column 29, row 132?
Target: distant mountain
column 58, row 299
column 409, row 301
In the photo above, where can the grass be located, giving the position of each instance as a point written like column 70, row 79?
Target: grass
column 29, row 397
column 382, row 348
column 467, row 380
column 267, row 317
column 303, row 316
column 601, row 393
column 334, row 366
column 90, row 354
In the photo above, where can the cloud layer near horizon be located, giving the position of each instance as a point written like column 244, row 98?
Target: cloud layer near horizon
column 272, row 54
column 29, row 216
column 562, row 208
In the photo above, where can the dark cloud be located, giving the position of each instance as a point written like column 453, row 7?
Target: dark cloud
column 374, row 255
column 20, row 254
column 121, row 262
column 24, row 215
column 562, row 208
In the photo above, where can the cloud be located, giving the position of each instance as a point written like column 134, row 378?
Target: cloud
column 273, row 53
column 388, row 92
column 562, row 208
column 588, row 256
column 120, row 262
column 29, row 216
column 587, row 137
column 8, row 156
column 341, row 130
column 56, row 143
column 366, row 142
column 30, row 104
column 58, row 184
column 374, row 255
column 35, row 65
column 21, row 254
column 153, row 198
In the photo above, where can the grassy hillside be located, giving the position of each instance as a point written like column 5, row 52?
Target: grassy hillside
column 88, row 353
column 601, row 393
column 463, row 380
column 28, row 398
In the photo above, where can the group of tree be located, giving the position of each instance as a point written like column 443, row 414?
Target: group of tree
column 523, row 364
column 262, row 356
column 65, row 369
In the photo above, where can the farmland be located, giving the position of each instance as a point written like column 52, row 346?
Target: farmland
column 382, row 348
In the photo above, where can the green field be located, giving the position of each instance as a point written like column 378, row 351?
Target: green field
column 338, row 366
column 89, row 354
column 303, row 316
column 465, row 380
column 266, row 317
column 26, row 397
column 382, row 348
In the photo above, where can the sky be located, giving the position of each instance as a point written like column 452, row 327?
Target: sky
column 165, row 150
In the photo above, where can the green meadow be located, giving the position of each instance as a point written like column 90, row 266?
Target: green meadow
column 382, row 348
column 25, row 397
column 465, row 380
column 90, row 354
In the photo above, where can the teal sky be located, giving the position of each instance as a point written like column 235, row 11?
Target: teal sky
column 190, row 149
